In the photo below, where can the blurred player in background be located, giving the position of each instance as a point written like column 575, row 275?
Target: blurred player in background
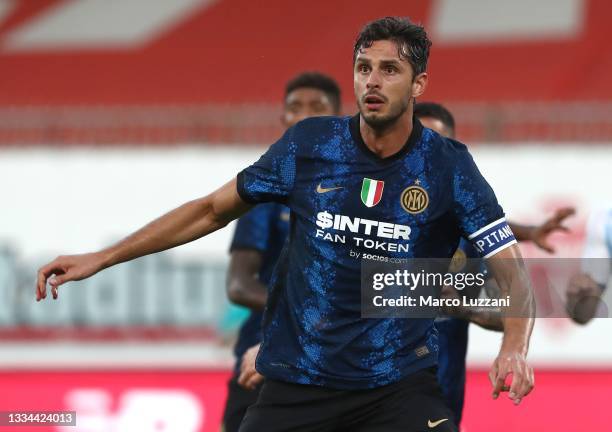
column 372, row 176
column 440, row 119
column 453, row 328
column 585, row 289
column 259, row 237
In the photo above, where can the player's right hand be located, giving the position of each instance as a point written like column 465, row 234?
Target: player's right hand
column 515, row 364
column 64, row 269
column 582, row 285
column 249, row 377
column 583, row 298
column 555, row 223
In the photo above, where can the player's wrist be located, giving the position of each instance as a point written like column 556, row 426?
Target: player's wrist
column 531, row 232
column 104, row 259
column 513, row 348
column 515, row 340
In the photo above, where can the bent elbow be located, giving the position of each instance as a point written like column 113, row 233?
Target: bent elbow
column 235, row 292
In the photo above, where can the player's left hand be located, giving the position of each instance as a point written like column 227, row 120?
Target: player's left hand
column 515, row 364
column 540, row 234
column 249, row 377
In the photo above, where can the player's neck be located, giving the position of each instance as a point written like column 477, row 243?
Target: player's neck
column 387, row 141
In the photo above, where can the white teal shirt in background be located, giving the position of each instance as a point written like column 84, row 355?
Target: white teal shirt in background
column 598, row 245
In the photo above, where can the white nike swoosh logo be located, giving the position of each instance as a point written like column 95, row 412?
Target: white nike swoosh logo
column 321, row 189
column 436, row 423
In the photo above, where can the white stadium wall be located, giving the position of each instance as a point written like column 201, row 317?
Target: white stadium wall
column 73, row 200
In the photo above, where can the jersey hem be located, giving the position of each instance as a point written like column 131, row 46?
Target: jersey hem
column 342, row 384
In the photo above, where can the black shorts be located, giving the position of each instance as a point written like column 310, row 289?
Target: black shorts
column 238, row 400
column 414, row 404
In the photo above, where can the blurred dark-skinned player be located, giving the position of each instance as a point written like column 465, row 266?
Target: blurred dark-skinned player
column 453, row 327
column 585, row 289
column 259, row 237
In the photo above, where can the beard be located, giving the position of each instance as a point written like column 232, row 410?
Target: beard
column 379, row 121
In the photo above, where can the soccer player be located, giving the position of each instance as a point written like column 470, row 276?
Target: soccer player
column 453, row 329
column 259, row 237
column 585, row 289
column 376, row 184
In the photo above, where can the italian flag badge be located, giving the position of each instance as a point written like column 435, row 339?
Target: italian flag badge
column 371, row 191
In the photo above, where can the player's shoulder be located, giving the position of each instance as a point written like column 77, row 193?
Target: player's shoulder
column 323, row 121
column 319, row 132
column 443, row 144
column 445, row 149
column 322, row 125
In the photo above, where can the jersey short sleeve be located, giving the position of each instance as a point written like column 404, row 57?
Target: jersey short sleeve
column 253, row 230
column 271, row 178
column 480, row 216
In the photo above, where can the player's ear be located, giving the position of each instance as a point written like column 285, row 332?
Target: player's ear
column 283, row 119
column 419, row 84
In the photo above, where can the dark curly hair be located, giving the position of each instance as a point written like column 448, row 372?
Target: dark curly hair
column 411, row 40
column 436, row 111
column 319, row 81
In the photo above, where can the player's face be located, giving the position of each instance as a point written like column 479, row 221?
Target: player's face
column 385, row 84
column 438, row 126
column 306, row 102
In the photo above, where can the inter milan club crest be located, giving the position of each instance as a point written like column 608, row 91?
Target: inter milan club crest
column 371, row 191
column 414, row 199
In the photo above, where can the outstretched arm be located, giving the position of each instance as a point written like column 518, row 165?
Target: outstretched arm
column 513, row 280
column 489, row 318
column 184, row 224
column 485, row 317
column 538, row 234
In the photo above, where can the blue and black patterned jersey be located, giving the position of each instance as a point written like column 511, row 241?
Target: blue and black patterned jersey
column 264, row 228
column 348, row 204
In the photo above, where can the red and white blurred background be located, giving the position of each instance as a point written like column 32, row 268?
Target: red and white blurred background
column 114, row 111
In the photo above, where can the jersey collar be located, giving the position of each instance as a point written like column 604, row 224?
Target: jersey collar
column 413, row 139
